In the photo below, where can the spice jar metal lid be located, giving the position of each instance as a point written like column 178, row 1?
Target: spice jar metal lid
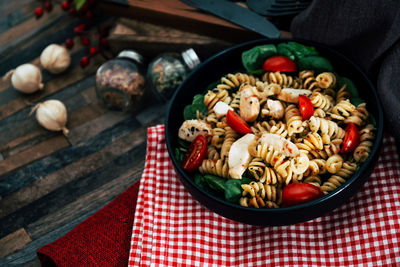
column 190, row 57
column 131, row 54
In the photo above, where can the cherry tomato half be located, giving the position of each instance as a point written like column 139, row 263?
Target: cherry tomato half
column 237, row 123
column 279, row 63
column 306, row 107
column 195, row 154
column 351, row 139
column 299, row 193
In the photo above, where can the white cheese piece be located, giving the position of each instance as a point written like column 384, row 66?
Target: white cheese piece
column 239, row 156
column 221, row 108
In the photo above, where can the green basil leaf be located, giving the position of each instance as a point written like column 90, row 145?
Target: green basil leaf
column 283, row 50
column 199, row 180
column 316, row 63
column 216, row 183
column 254, row 58
column 188, row 114
column 300, row 51
column 79, row 4
column 233, row 189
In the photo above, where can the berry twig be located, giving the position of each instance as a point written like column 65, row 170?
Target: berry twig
column 85, row 10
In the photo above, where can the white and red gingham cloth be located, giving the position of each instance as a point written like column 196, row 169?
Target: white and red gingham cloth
column 172, row 229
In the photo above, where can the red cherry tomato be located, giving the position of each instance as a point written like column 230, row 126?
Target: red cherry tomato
column 306, row 107
column 279, row 63
column 351, row 139
column 195, row 154
column 237, row 123
column 299, row 193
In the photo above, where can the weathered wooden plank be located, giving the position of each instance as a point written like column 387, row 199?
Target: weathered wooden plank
column 86, row 203
column 33, row 153
column 19, row 123
column 71, row 191
column 30, row 47
column 24, row 142
column 32, row 27
column 151, row 39
column 7, row 7
column 52, row 86
column 84, row 166
column 14, row 241
column 152, row 113
column 95, row 126
column 31, row 172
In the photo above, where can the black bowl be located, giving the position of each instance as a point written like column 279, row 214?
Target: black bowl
column 229, row 61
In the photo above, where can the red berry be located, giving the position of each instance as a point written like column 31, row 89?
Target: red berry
column 39, row 12
column 93, row 50
column 65, row 6
column 48, row 6
column 104, row 42
column 72, row 11
column 69, row 43
column 89, row 15
column 85, row 41
column 84, row 62
column 79, row 29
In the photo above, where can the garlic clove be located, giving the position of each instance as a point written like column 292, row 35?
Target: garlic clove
column 55, row 58
column 52, row 115
column 26, row 78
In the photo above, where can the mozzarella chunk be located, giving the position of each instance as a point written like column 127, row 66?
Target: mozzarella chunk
column 221, row 108
column 280, row 144
column 239, row 156
column 292, row 95
column 249, row 103
column 276, row 109
column 190, row 129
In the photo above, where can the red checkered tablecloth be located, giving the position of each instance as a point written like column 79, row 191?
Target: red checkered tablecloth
column 172, row 229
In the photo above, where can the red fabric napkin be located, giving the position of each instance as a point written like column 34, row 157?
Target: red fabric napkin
column 172, row 229
column 101, row 240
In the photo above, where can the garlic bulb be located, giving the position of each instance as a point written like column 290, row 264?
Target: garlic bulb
column 55, row 58
column 27, row 78
column 52, row 115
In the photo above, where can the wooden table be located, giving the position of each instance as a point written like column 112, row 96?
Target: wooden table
column 49, row 182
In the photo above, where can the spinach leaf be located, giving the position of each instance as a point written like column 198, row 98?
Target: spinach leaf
column 233, row 189
column 300, row 51
column 199, row 180
column 216, row 183
column 283, row 50
column 350, row 87
column 212, row 86
column 254, row 58
column 198, row 104
column 178, row 154
column 316, row 63
column 188, row 114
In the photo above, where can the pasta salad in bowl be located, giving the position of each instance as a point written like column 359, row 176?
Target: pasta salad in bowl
column 274, row 132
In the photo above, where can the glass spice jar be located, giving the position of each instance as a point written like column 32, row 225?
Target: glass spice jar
column 167, row 71
column 120, row 83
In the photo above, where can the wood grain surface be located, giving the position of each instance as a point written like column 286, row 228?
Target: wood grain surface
column 49, row 182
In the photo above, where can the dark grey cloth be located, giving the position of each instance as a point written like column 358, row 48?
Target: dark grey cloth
column 366, row 31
